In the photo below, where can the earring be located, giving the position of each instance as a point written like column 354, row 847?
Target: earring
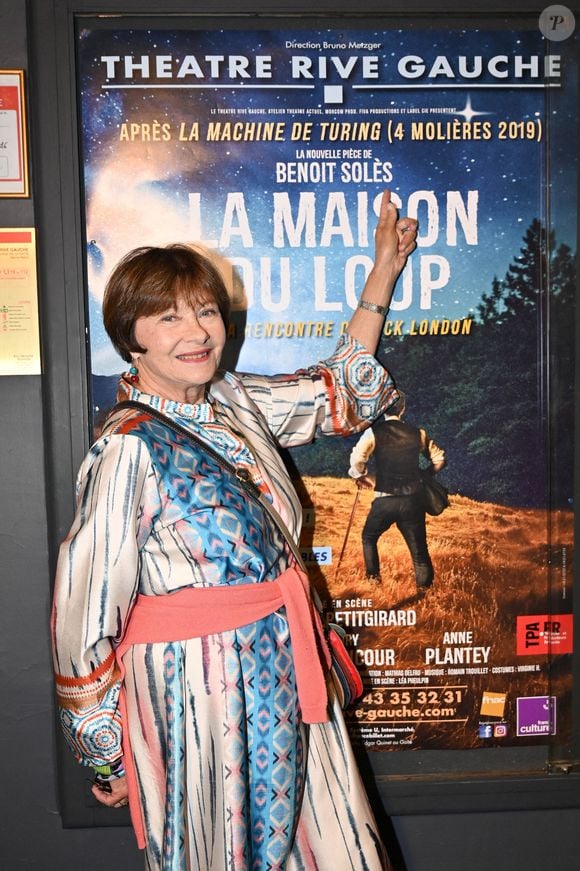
column 133, row 375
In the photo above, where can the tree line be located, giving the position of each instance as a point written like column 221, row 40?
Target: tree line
column 500, row 400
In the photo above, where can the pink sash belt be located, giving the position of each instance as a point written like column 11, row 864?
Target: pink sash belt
column 198, row 611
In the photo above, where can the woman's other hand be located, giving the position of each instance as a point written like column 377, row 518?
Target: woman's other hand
column 117, row 797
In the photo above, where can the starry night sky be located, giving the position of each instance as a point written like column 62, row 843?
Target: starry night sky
column 138, row 192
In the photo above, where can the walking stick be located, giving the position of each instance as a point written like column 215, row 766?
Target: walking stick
column 347, row 530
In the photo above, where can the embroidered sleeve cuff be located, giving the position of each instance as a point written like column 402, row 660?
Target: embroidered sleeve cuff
column 364, row 385
column 105, row 773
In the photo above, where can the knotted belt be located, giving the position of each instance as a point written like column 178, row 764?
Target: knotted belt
column 198, row 611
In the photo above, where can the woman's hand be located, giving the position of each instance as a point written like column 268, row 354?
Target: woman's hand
column 117, row 797
column 395, row 239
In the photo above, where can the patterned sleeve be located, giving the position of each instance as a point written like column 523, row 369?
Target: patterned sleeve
column 96, row 583
column 339, row 396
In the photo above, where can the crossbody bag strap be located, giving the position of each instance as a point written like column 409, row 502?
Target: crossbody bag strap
column 240, row 473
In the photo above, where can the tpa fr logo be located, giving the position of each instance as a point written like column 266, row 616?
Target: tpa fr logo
column 544, row 633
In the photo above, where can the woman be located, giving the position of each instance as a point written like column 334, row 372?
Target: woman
column 181, row 621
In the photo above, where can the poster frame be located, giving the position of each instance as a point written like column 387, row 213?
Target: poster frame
column 438, row 780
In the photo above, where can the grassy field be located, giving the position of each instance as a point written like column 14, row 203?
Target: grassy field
column 492, row 563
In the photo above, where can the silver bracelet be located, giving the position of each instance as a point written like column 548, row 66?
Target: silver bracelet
column 373, row 307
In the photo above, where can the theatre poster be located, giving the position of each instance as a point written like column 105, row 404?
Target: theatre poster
column 270, row 149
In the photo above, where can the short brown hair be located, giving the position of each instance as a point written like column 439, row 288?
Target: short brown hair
column 150, row 280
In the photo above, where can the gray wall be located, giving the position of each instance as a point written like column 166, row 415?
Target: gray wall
column 31, row 833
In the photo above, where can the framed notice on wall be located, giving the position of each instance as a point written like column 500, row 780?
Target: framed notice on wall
column 13, row 142
column 19, row 331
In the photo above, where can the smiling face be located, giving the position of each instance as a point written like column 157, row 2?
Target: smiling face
column 183, row 346
column 167, row 309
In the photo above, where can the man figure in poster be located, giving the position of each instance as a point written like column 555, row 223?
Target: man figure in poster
column 398, row 448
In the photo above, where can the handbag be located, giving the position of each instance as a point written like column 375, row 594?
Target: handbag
column 435, row 495
column 345, row 676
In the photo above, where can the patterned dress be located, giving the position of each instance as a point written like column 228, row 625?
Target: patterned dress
column 229, row 777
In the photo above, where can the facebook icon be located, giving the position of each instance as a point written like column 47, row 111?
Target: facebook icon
column 485, row 730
